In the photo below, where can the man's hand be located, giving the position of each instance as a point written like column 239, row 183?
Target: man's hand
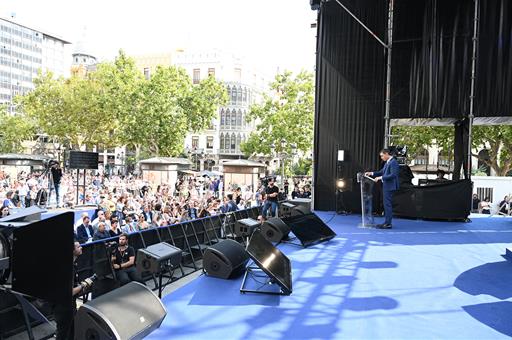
column 369, row 173
column 116, row 266
column 378, row 179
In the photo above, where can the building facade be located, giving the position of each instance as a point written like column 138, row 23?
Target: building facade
column 221, row 141
column 25, row 51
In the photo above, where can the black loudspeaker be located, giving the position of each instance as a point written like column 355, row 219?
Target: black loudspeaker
column 275, row 230
column 300, row 210
column 304, row 202
column 129, row 312
column 225, row 259
column 152, row 258
column 246, row 226
column 285, row 209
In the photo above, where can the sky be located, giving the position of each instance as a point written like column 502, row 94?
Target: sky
column 270, row 34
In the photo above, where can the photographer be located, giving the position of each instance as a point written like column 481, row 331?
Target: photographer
column 64, row 313
column 57, row 176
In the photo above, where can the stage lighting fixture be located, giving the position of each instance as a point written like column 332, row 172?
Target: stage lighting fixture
column 341, row 184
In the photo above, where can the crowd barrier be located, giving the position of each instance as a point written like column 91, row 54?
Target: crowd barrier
column 192, row 237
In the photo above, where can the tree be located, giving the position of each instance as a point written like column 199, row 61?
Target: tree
column 287, row 114
column 419, row 138
column 497, row 139
column 14, row 130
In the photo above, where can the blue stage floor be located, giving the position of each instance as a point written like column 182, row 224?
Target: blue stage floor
column 420, row 280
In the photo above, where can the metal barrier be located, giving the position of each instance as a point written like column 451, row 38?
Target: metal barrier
column 192, row 237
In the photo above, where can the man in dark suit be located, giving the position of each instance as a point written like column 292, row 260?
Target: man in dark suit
column 85, row 231
column 389, row 177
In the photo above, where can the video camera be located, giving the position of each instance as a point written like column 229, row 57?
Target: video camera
column 48, row 163
column 400, row 153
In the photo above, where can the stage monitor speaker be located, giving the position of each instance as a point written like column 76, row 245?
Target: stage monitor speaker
column 152, row 258
column 309, row 229
column 271, row 261
column 275, row 230
column 304, row 202
column 225, row 259
column 285, row 209
column 245, row 227
column 300, row 210
column 130, row 312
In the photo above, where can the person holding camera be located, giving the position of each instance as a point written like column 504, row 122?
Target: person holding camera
column 57, row 176
column 64, row 313
column 123, row 262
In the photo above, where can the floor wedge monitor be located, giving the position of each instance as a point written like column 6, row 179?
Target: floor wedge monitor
column 275, row 230
column 225, row 259
column 127, row 313
column 309, row 229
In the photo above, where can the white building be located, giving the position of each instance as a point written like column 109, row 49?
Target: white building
column 24, row 51
column 230, row 128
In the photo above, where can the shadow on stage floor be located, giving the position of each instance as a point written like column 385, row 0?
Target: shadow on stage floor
column 418, row 280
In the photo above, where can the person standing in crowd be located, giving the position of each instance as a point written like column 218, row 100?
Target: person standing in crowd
column 271, row 199
column 123, row 262
column 64, row 312
column 56, row 176
column 389, row 177
column 504, row 207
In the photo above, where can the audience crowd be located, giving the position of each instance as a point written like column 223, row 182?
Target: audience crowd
column 127, row 204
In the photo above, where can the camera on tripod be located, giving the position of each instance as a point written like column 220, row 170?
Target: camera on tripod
column 49, row 163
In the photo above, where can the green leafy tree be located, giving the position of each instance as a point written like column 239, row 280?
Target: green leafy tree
column 419, row 138
column 304, row 167
column 497, row 140
column 287, row 113
column 14, row 130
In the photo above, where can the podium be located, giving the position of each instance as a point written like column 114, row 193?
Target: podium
column 366, row 184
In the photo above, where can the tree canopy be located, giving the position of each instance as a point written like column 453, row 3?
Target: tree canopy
column 115, row 105
column 286, row 113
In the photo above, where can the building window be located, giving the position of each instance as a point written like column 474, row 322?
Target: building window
column 147, row 73
column 196, row 76
column 222, row 141
column 238, row 141
column 233, row 118
column 245, row 95
column 239, row 119
column 222, row 118
column 211, row 72
column 195, row 142
column 209, row 142
column 240, row 94
column 227, row 144
column 233, row 96
column 233, row 142
column 228, row 117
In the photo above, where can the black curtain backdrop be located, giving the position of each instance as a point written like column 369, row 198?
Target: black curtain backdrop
column 432, row 51
column 431, row 77
column 349, row 96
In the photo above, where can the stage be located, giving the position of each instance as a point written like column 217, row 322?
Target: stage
column 419, row 280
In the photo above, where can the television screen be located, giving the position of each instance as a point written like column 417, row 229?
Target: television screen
column 271, row 260
column 309, row 229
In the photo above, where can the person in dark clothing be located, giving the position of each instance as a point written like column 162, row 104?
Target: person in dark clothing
column 56, row 175
column 390, row 184
column 271, row 194
column 64, row 313
column 476, row 203
column 123, row 262
column 101, row 233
